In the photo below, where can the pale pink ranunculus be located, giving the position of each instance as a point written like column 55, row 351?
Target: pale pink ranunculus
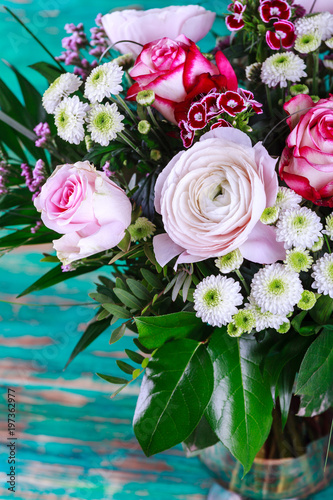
column 84, row 205
column 306, row 163
column 174, row 69
column 319, row 6
column 211, row 198
column 144, row 26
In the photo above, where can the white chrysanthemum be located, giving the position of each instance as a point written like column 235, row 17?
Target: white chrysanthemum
column 308, row 42
column 276, row 289
column 282, row 67
column 298, row 260
column 229, row 262
column 318, row 245
column 328, row 63
column 263, row 319
column 216, row 299
column 252, row 72
column 103, row 81
column 62, row 87
column 323, row 275
column 321, row 23
column 298, row 227
column 104, row 123
column 69, row 117
column 329, row 43
column 329, row 226
column 287, row 198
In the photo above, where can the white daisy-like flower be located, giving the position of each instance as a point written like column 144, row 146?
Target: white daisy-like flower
column 298, row 227
column 216, row 299
column 69, row 117
column 321, row 23
column 229, row 262
column 329, row 226
column 104, row 123
column 103, row 81
column 298, row 260
column 323, row 275
column 62, row 87
column 276, row 289
column 287, row 198
column 265, row 319
column 282, row 67
column 309, row 42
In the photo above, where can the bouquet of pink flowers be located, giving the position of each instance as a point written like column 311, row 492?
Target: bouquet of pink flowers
column 205, row 183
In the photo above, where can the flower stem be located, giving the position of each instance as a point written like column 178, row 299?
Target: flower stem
column 131, row 144
column 269, row 101
column 126, row 108
column 242, row 279
column 315, row 70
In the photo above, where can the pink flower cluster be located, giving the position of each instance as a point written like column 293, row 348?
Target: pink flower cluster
column 35, row 178
column 281, row 34
column 210, row 106
column 43, row 132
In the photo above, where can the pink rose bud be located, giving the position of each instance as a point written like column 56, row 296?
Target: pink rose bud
column 84, row 205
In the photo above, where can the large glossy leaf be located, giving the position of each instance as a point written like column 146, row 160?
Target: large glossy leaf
column 316, row 371
column 240, row 410
column 174, row 394
column 202, row 437
column 316, row 404
column 154, row 331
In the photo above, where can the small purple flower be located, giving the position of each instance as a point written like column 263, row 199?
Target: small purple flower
column 42, row 130
column 34, row 229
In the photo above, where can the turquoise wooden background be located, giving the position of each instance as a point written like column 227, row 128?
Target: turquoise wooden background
column 74, row 442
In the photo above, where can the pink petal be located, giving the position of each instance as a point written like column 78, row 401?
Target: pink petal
column 261, row 246
column 297, row 107
column 165, row 249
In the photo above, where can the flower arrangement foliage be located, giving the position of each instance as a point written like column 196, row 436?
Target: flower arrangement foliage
column 204, row 182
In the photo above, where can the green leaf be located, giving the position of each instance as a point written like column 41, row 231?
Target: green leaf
column 113, row 380
column 102, row 314
column 134, row 356
column 174, row 394
column 125, row 367
column 154, row 331
column 47, row 70
column 152, row 279
column 139, row 290
column 117, row 333
column 240, row 410
column 322, row 310
column 202, row 437
column 91, row 333
column 100, row 297
column 125, row 243
column 56, row 275
column 316, row 371
column 316, row 404
column 118, row 311
column 128, row 299
column 142, row 347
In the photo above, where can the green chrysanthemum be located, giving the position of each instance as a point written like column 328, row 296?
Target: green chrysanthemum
column 141, row 229
column 308, row 42
column 245, row 320
column 229, row 262
column 145, row 97
column 307, row 301
column 233, row 330
column 270, row 215
column 144, row 127
column 284, row 328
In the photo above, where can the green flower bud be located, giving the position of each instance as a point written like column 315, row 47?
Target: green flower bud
column 284, row 328
column 307, row 301
column 145, row 97
column 144, row 127
column 141, row 229
column 299, row 89
column 155, row 154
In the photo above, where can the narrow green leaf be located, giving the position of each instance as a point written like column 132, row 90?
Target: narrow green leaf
column 134, row 356
column 125, row 243
column 113, row 380
column 100, row 297
column 240, row 410
column 102, row 315
column 174, row 394
column 139, row 290
column 120, row 284
column 125, row 367
column 316, row 372
column 128, row 299
column 91, row 333
column 54, row 276
column 142, row 347
column 137, row 372
column 118, row 311
column 154, row 331
column 117, row 333
column 152, row 279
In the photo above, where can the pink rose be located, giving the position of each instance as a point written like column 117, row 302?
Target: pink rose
column 306, row 163
column 211, row 198
column 319, row 6
column 144, row 26
column 173, row 69
column 87, row 207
